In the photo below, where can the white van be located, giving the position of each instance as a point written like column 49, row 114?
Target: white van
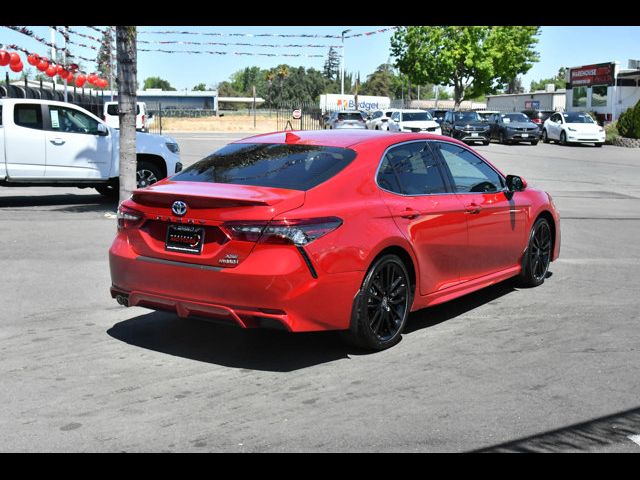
column 112, row 119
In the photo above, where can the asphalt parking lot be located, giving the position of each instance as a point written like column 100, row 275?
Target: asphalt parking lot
column 554, row 368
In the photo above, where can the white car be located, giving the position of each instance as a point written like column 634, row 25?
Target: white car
column 112, row 118
column 413, row 121
column 572, row 127
column 379, row 119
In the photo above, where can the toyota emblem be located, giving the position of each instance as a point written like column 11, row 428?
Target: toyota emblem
column 179, row 208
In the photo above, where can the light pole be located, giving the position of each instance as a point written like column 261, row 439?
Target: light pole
column 342, row 64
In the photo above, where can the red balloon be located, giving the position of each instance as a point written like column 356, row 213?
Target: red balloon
column 59, row 69
column 64, row 74
column 80, row 80
column 16, row 67
column 14, row 58
column 43, row 64
column 33, row 59
column 70, row 78
column 51, row 71
column 92, row 78
column 4, row 58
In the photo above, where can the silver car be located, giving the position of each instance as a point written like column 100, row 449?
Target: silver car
column 345, row 119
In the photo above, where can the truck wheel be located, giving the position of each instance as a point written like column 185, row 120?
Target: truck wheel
column 147, row 174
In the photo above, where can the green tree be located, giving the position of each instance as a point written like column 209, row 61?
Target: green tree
column 515, row 86
column 474, row 60
column 201, row 87
column 557, row 80
column 157, row 82
column 380, row 82
column 103, row 59
column 331, row 69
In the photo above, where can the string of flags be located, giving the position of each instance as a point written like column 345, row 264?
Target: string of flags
column 271, row 45
column 214, row 52
column 280, row 35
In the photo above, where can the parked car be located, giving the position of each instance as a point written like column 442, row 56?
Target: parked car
column 538, row 116
column 50, row 143
column 342, row 230
column 345, row 119
column 513, row 127
column 112, row 117
column 466, row 126
column 379, row 119
column 572, row 127
column 413, row 121
column 438, row 115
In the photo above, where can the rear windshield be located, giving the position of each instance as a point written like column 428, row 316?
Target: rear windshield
column 112, row 109
column 416, row 116
column 295, row 167
column 349, row 116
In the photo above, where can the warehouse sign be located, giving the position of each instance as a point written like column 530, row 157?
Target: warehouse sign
column 600, row 74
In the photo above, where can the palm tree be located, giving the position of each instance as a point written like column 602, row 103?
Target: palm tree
column 127, row 82
column 282, row 73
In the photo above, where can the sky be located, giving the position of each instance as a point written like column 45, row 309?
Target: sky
column 558, row 46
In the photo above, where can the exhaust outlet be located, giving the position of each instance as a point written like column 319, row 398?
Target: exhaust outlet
column 122, row 300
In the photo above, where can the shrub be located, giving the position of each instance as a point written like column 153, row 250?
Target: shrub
column 611, row 132
column 629, row 122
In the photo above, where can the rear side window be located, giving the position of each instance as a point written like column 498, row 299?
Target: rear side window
column 112, row 109
column 349, row 116
column 411, row 169
column 295, row 167
column 28, row 115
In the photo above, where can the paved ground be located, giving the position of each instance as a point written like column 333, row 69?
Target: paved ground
column 553, row 368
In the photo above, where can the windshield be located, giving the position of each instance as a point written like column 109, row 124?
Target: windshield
column 296, row 167
column 573, row 117
column 467, row 117
column 514, row 117
column 416, row 116
column 350, row 116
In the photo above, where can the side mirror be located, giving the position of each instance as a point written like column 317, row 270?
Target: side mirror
column 515, row 183
column 103, row 131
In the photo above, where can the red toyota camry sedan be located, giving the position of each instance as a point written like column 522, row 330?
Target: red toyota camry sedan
column 330, row 230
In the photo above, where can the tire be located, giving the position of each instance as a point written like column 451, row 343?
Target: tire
column 147, row 174
column 599, row 144
column 502, row 139
column 382, row 305
column 534, row 142
column 545, row 137
column 537, row 257
column 563, row 139
column 485, row 143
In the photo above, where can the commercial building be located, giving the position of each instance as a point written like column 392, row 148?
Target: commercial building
column 603, row 88
column 550, row 99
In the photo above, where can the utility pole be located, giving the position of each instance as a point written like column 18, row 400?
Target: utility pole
column 342, row 64
column 64, row 59
column 127, row 54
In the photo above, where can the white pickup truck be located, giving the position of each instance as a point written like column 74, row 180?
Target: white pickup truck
column 48, row 143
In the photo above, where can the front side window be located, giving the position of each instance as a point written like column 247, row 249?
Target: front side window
column 579, row 97
column 411, row 169
column 295, row 167
column 599, row 95
column 70, row 120
column 28, row 115
column 470, row 173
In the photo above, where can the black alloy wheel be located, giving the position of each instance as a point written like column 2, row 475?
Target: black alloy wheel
column 545, row 137
column 147, row 174
column 382, row 305
column 563, row 138
column 538, row 255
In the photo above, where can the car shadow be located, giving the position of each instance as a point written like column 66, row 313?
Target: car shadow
column 68, row 202
column 271, row 350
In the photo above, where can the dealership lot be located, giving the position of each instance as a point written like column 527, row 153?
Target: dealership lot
column 553, row 368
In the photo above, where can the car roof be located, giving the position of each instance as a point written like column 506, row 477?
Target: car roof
column 342, row 138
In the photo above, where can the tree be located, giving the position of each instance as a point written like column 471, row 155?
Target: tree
column 515, row 86
column 380, row 82
column 331, row 69
column 103, row 59
column 157, row 82
column 201, row 87
column 474, row 60
column 127, row 54
column 559, row 81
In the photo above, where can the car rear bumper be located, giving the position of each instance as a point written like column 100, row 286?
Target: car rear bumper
column 271, row 288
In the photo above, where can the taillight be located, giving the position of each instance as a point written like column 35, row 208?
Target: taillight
column 295, row 232
column 537, row 120
column 143, row 120
column 128, row 218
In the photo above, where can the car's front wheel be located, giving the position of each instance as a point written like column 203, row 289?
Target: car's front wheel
column 563, row 138
column 382, row 305
column 147, row 174
column 537, row 256
column 545, row 137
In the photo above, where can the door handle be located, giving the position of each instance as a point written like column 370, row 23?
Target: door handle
column 473, row 208
column 57, row 141
column 409, row 213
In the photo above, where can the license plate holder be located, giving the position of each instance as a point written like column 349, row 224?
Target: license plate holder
column 474, row 134
column 184, row 239
column 525, row 135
